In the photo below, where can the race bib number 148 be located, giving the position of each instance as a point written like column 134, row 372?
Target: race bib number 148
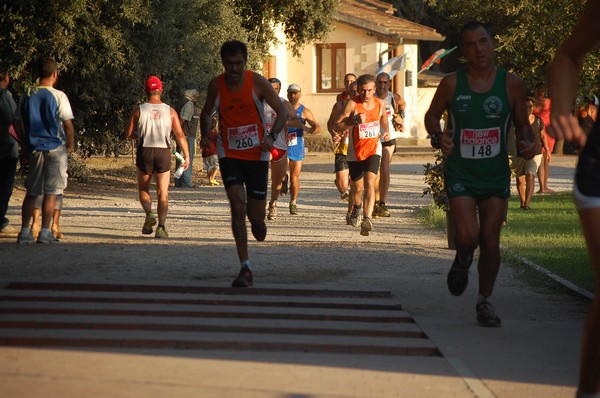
column 480, row 144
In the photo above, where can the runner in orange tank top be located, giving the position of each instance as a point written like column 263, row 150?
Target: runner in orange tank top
column 242, row 124
column 365, row 115
column 243, row 145
column 364, row 136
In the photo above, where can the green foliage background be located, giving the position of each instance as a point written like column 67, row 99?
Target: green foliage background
column 527, row 33
column 106, row 49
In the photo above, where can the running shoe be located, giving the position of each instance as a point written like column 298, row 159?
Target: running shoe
column 375, row 213
column 486, row 315
column 284, row 185
column 293, row 208
column 244, row 278
column 46, row 237
column 149, row 222
column 383, row 210
column 213, row 182
column 348, row 219
column 272, row 212
column 259, row 231
column 25, row 238
column 345, row 196
column 161, row 232
column 355, row 216
column 366, row 226
column 458, row 277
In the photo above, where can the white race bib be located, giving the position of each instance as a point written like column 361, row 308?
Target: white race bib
column 270, row 120
column 292, row 139
column 480, row 144
column 391, row 128
column 242, row 138
column 367, row 131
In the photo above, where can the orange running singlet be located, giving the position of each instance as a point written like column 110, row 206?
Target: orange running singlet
column 242, row 124
column 364, row 138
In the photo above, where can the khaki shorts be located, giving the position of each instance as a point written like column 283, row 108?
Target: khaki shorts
column 211, row 162
column 47, row 172
column 524, row 167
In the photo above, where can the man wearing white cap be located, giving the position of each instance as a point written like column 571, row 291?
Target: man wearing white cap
column 296, row 141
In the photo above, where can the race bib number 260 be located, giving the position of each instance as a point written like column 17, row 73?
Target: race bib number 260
column 242, row 138
column 480, row 144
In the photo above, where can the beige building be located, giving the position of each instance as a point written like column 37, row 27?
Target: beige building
column 365, row 35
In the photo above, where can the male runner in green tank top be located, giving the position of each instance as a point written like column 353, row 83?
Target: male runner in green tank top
column 482, row 100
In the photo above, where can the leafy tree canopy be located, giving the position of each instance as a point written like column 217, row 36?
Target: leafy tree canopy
column 527, row 33
column 303, row 21
column 106, row 48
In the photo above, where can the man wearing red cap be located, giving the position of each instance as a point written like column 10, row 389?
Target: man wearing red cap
column 243, row 144
column 151, row 124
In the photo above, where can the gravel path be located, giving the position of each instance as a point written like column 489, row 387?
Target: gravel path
column 103, row 243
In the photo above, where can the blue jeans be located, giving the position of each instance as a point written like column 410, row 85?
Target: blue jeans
column 186, row 178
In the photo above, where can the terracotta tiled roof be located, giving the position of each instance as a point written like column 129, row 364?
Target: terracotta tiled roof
column 377, row 17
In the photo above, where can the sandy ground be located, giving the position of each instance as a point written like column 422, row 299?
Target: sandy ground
column 102, row 222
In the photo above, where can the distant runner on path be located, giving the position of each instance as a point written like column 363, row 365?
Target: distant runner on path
column 151, row 124
column 365, row 116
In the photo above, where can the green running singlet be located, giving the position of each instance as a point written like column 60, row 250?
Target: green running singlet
column 478, row 166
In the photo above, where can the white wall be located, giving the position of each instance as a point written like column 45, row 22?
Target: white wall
column 424, row 97
column 281, row 60
column 362, row 56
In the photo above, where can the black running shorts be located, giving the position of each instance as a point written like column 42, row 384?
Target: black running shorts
column 359, row 168
column 341, row 163
column 251, row 173
column 153, row 160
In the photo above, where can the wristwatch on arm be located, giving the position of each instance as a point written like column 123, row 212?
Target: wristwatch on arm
column 272, row 134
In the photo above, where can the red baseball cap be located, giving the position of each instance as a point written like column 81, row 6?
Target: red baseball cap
column 153, row 84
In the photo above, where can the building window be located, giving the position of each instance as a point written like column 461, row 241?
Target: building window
column 269, row 70
column 331, row 67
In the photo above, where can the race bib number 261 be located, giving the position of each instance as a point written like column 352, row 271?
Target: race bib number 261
column 369, row 130
column 242, row 138
column 480, row 144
